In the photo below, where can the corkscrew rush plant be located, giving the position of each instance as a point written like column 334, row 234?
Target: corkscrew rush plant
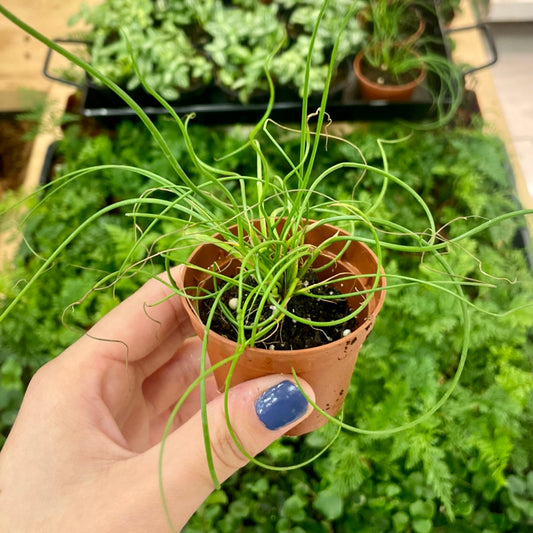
column 274, row 257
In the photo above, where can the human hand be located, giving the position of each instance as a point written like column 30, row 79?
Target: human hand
column 83, row 453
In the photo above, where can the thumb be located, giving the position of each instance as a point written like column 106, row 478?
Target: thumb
column 260, row 411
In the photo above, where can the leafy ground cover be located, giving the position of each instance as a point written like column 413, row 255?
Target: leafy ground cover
column 468, row 468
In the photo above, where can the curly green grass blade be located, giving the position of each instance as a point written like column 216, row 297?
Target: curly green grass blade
column 86, row 223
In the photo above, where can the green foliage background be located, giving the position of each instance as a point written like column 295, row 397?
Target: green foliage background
column 466, row 469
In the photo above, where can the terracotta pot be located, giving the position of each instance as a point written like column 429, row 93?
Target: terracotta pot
column 327, row 368
column 371, row 90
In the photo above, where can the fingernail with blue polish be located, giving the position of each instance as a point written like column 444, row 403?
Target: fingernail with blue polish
column 280, row 405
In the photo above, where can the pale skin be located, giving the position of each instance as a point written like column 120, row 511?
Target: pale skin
column 83, row 453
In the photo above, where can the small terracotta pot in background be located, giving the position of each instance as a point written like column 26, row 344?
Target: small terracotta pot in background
column 371, row 90
column 327, row 368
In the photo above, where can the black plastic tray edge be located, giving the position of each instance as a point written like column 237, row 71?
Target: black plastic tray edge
column 288, row 111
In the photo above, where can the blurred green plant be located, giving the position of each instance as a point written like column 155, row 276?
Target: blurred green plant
column 152, row 34
column 471, row 461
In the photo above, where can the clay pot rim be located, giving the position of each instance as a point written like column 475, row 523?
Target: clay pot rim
column 392, row 88
column 290, row 354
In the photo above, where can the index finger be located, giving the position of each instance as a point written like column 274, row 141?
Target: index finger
column 139, row 324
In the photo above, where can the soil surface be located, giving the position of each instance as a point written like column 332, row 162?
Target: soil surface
column 382, row 76
column 291, row 334
column 14, row 153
